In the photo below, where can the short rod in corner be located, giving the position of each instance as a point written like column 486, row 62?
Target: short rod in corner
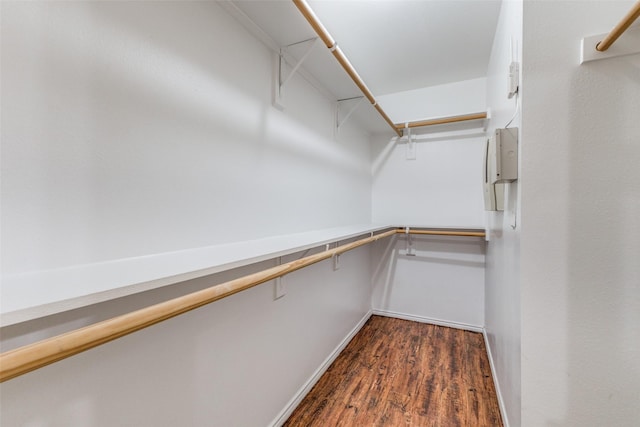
column 442, row 232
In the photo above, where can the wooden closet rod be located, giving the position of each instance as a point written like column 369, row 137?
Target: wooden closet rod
column 21, row 360
column 331, row 44
column 622, row 26
column 443, row 120
column 25, row 359
column 443, row 232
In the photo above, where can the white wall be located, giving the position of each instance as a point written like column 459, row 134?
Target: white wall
column 451, row 99
column 132, row 128
column 502, row 297
column 121, row 138
column 580, row 241
column 236, row 362
column 439, row 280
column 442, row 187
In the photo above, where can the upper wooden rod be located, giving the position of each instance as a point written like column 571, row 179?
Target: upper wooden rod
column 444, row 232
column 622, row 26
column 315, row 23
column 442, row 120
column 331, row 44
column 386, row 118
column 346, row 65
column 31, row 357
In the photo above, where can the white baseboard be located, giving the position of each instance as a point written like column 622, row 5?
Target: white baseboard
column 503, row 412
column 432, row 321
column 302, row 392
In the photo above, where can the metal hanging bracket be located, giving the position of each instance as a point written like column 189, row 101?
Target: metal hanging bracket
column 336, row 262
column 345, row 108
column 409, row 243
column 279, row 289
column 281, row 77
column 411, row 143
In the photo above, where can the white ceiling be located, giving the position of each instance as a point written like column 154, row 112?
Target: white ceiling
column 402, row 45
column 395, row 45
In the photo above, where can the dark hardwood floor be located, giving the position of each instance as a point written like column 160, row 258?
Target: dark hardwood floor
column 400, row 373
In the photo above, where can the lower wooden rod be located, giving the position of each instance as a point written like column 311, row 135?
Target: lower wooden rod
column 34, row 356
column 444, row 232
column 16, row 362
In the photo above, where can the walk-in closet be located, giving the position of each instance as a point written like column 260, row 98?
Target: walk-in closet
column 320, row 213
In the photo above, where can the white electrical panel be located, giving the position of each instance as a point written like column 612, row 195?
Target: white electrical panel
column 493, row 193
column 503, row 156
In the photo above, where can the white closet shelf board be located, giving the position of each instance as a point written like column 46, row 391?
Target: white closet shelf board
column 42, row 293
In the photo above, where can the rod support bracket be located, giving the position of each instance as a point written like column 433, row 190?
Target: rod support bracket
column 280, row 289
column 409, row 247
column 411, row 143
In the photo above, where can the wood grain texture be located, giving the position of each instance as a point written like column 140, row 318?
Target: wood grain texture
column 401, row 373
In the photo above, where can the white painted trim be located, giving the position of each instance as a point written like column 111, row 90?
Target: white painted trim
column 430, row 320
column 306, row 388
column 496, row 384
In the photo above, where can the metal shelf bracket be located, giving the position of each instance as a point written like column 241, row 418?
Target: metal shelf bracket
column 281, row 76
column 345, row 108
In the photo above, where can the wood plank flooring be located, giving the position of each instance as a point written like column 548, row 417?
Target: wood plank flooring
column 400, row 373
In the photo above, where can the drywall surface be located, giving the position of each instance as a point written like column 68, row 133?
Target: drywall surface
column 502, row 283
column 440, row 187
column 236, row 362
column 135, row 128
column 435, row 279
column 580, row 241
column 122, row 138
